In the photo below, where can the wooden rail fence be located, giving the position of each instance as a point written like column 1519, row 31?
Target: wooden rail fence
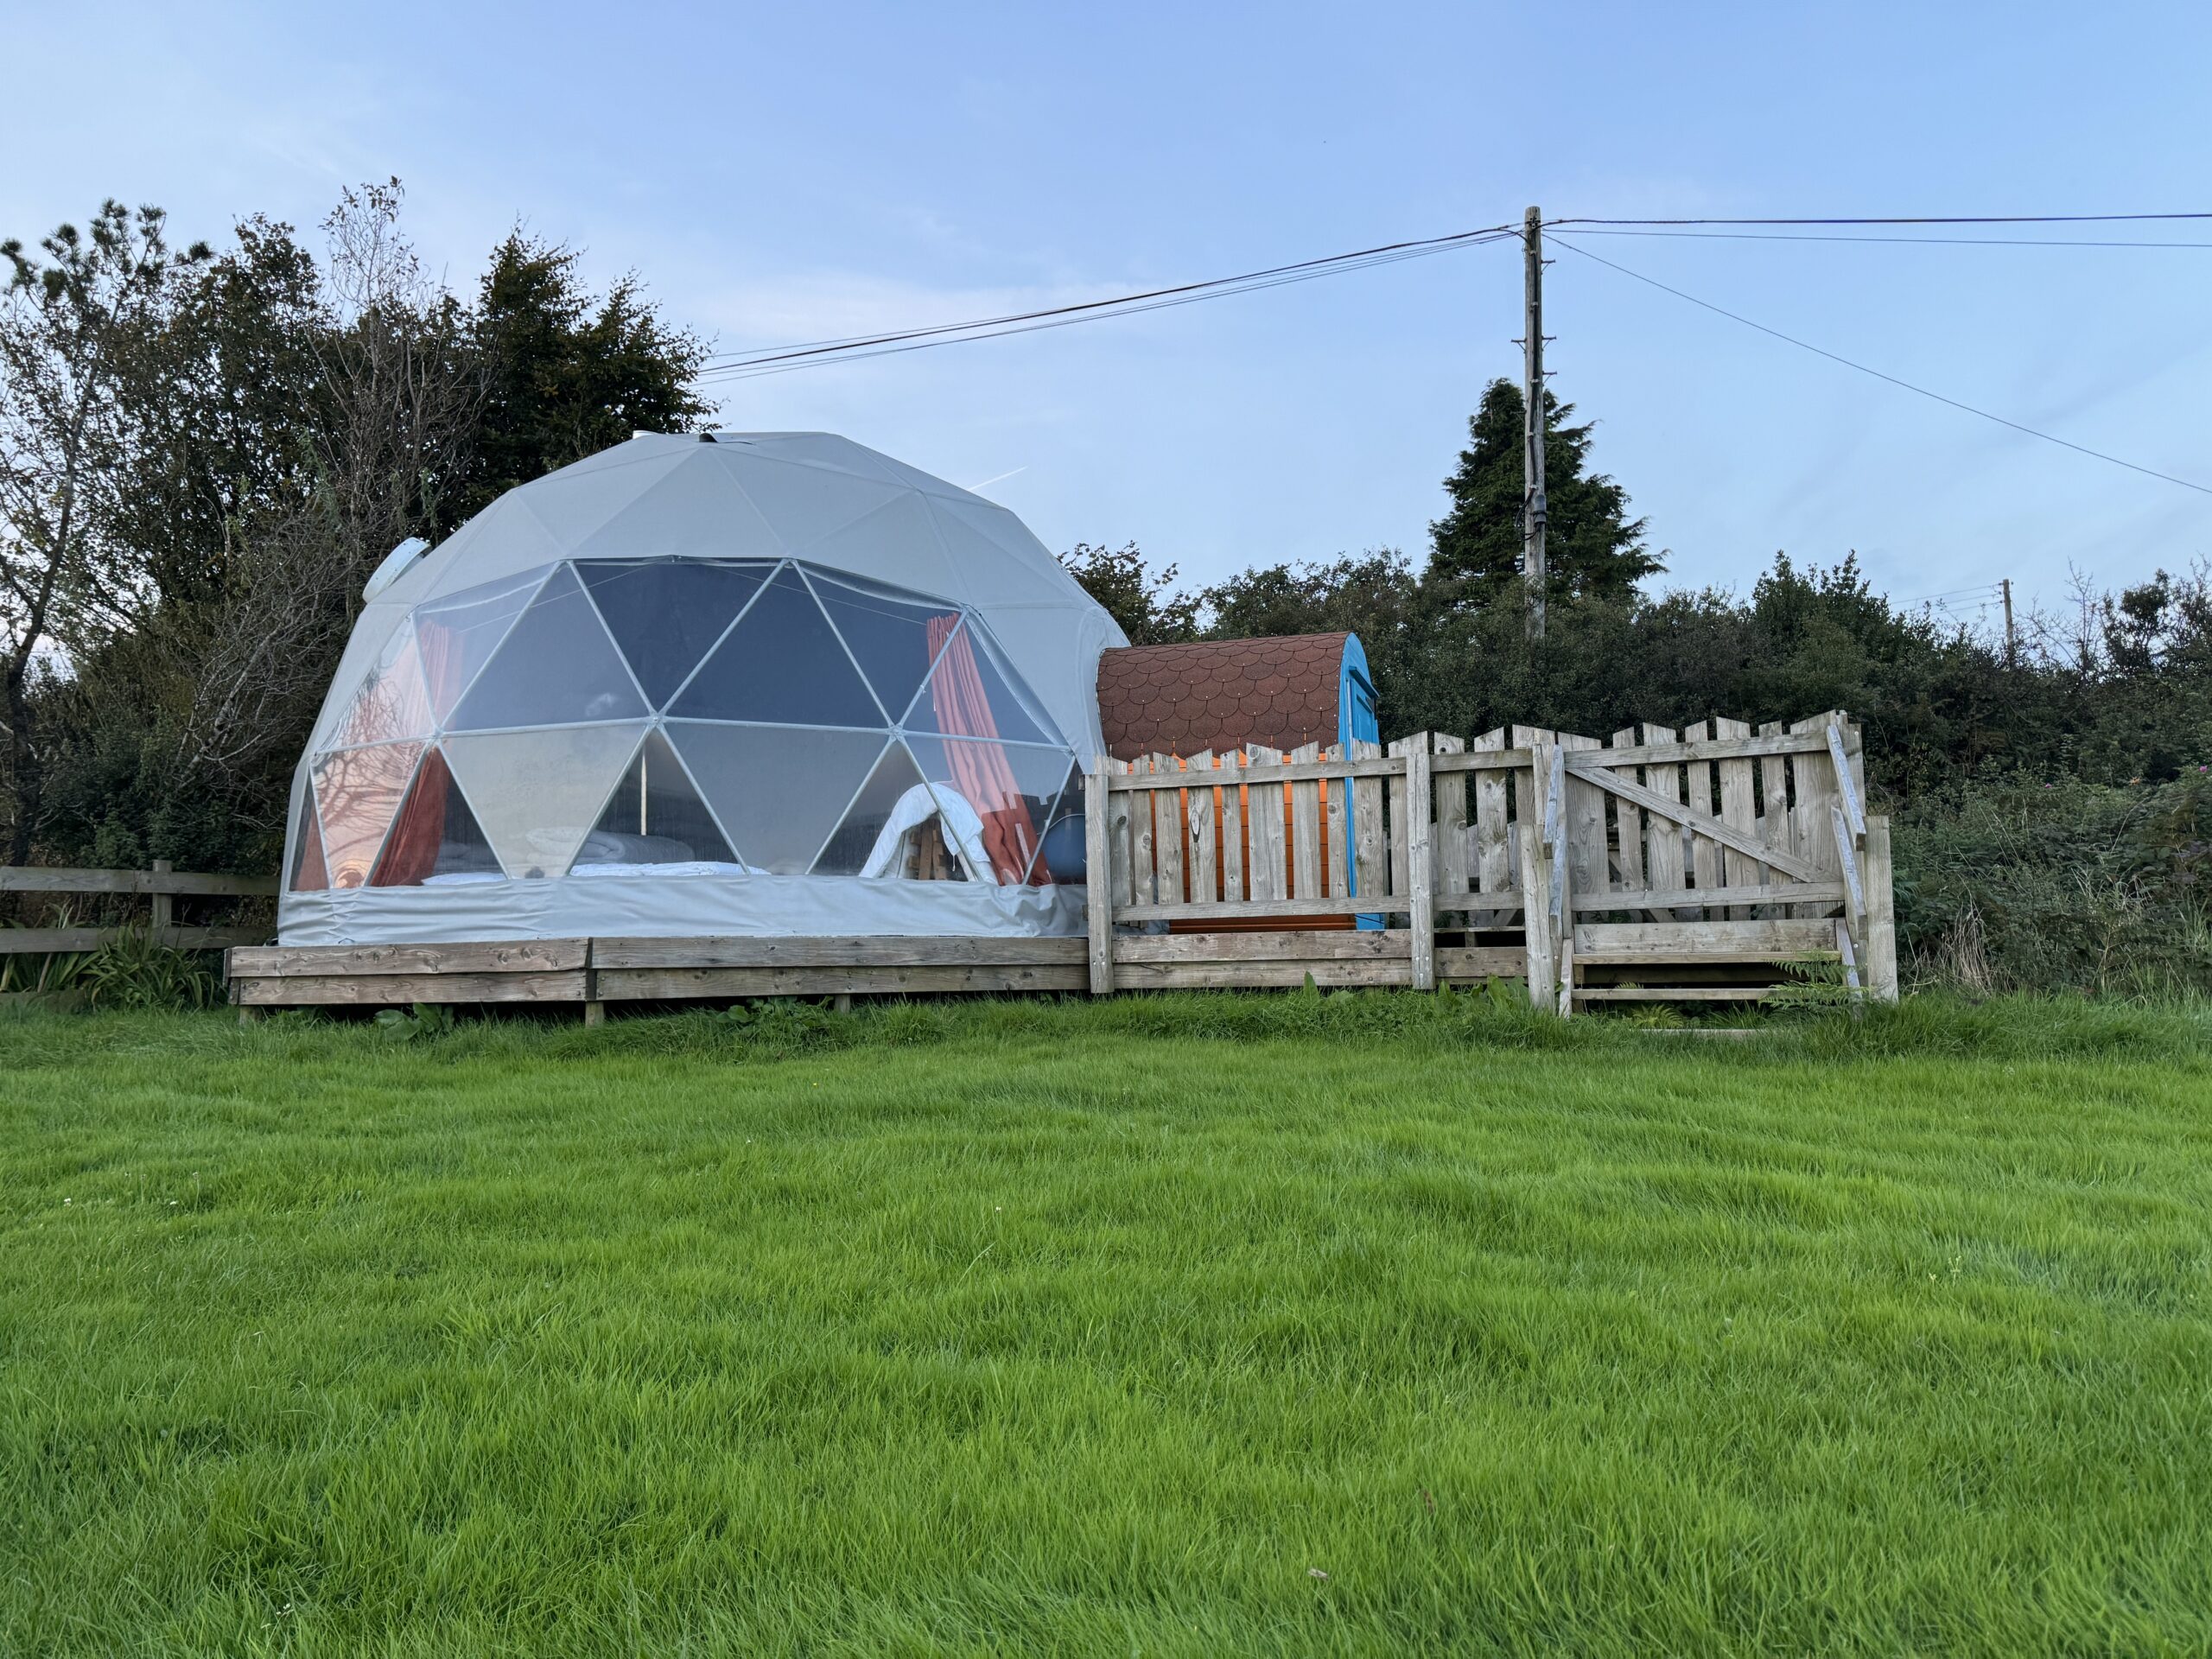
column 161, row 885
column 1599, row 872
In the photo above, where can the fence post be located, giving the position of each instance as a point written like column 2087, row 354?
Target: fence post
column 163, row 906
column 1098, row 879
column 1880, row 968
column 1563, row 896
column 1421, row 861
column 1536, row 913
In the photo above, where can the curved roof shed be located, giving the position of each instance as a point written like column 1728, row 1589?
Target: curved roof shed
column 1282, row 691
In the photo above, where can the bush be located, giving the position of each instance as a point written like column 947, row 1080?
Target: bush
column 2059, row 885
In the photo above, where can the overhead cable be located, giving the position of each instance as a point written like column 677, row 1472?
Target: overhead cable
column 1898, row 241
column 1963, row 219
column 1834, row 357
column 739, row 366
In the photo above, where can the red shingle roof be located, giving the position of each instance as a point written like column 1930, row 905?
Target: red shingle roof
column 1220, row 693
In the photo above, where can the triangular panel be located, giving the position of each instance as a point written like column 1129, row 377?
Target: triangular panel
column 574, row 502
column 893, row 780
column 823, row 449
column 1061, row 848
column 309, row 873
column 1011, row 786
column 557, row 664
column 357, row 793
column 435, row 835
column 666, row 613
column 536, row 794
column 804, row 503
column 894, row 640
column 694, row 508
column 968, row 695
column 782, row 663
column 897, row 543
column 654, row 817
column 779, row 790
column 1011, row 567
column 393, row 703
column 456, row 636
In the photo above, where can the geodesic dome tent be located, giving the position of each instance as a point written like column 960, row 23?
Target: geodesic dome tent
column 738, row 683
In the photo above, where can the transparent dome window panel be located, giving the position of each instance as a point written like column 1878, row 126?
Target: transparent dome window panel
column 779, row 791
column 665, row 614
column 1062, row 852
column 357, row 794
column 1010, row 787
column 894, row 640
column 393, row 703
column 457, row 636
column 967, row 696
column 866, row 842
column 435, row 838
column 782, row 663
column 537, row 794
column 309, row 873
column 557, row 663
column 654, row 818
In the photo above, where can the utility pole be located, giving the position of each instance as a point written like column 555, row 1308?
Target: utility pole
column 1533, row 506
column 2012, row 643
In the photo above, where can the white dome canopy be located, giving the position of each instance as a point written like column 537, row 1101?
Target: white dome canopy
column 743, row 674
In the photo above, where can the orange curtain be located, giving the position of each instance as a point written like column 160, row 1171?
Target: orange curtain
column 980, row 771
column 410, row 852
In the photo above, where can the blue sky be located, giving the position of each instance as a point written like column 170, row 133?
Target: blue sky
column 790, row 173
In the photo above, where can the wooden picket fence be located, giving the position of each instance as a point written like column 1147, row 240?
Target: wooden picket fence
column 1702, row 866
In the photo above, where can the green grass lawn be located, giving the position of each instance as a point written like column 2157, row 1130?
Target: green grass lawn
column 1359, row 1325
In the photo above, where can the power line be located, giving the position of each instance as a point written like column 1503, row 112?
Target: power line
column 1955, row 593
column 736, row 365
column 1898, row 241
column 1969, row 219
column 946, row 337
column 1833, row 357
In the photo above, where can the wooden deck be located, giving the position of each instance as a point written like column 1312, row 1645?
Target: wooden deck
column 592, row 973
column 1700, row 867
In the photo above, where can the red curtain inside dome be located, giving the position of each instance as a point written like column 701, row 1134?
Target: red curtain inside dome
column 979, row 770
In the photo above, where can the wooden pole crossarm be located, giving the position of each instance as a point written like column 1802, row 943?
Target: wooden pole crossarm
column 1588, row 765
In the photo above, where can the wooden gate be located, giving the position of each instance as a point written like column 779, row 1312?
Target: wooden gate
column 1661, row 867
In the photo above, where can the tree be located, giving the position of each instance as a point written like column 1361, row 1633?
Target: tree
column 1593, row 548
column 72, row 334
column 1143, row 600
column 221, row 418
column 565, row 375
column 277, row 424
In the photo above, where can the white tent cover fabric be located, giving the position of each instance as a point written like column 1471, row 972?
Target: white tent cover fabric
column 724, row 680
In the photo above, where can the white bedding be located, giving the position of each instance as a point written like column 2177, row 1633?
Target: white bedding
column 677, row 867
